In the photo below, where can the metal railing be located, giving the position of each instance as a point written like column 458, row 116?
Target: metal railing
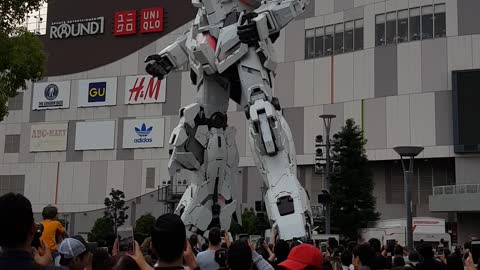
column 456, row 189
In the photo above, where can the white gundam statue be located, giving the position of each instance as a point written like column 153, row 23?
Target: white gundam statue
column 230, row 55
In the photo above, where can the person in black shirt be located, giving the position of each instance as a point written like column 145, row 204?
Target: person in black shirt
column 380, row 260
column 17, row 229
column 429, row 262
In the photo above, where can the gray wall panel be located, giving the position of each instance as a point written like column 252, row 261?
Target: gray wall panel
column 37, row 116
column 255, row 184
column 120, row 110
column 468, row 19
column 336, row 109
column 142, row 54
column 173, row 95
column 375, row 123
column 133, row 178
column 72, row 155
column 285, row 84
column 25, row 156
column 434, row 65
column 123, row 154
column 386, row 71
column 443, row 118
column 468, row 224
column 353, row 14
column 467, row 170
column 294, row 117
column 98, row 181
column 295, row 41
column 340, row 5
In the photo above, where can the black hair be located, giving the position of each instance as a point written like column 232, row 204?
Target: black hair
column 366, row 254
column 398, row 250
column 168, row 238
column 346, row 258
column 126, row 262
column 375, row 244
column 398, row 261
column 351, row 246
column 325, row 266
column 332, row 243
column 221, row 257
column 426, row 251
column 214, row 236
column 101, row 259
column 17, row 220
column 281, row 250
column 49, row 212
column 194, row 239
column 239, row 256
column 414, row 256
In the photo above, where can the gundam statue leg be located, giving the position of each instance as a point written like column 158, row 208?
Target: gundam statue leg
column 205, row 145
column 273, row 150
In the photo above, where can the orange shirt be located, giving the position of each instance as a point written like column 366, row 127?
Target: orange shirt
column 50, row 230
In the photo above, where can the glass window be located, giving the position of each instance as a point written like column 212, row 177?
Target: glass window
column 310, row 44
column 339, row 38
column 402, row 26
column 440, row 26
column 380, row 30
column 414, row 24
column 16, row 103
column 358, row 43
column 12, row 144
column 150, row 178
column 427, row 22
column 348, row 36
column 319, row 42
column 329, row 40
column 391, row 36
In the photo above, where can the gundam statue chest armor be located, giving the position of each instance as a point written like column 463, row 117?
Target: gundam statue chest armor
column 230, row 55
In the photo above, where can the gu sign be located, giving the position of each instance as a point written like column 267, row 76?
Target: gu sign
column 76, row 28
column 144, row 89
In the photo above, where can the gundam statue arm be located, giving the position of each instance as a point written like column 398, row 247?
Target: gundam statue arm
column 230, row 54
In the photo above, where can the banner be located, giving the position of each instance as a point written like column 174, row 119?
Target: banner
column 51, row 95
column 95, row 135
column 97, row 92
column 144, row 89
column 143, row 133
column 48, row 137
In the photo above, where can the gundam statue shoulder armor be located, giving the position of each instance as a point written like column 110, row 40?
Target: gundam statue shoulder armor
column 230, row 55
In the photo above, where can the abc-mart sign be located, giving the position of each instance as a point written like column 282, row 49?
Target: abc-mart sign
column 144, row 133
column 51, row 95
column 77, row 28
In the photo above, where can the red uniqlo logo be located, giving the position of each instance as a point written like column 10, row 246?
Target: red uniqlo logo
column 125, row 23
column 151, row 20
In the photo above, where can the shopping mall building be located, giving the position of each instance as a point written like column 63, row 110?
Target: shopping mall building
column 390, row 65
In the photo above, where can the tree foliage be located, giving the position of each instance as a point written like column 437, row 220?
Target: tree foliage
column 353, row 204
column 252, row 224
column 22, row 57
column 143, row 227
column 102, row 232
column 115, row 208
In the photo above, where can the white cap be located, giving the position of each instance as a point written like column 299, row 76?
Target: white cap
column 71, row 247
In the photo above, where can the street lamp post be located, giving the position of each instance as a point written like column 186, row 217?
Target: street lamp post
column 409, row 152
column 327, row 122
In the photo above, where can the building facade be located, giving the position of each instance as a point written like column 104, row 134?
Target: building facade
column 98, row 122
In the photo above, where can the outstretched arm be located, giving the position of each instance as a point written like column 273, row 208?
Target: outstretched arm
column 169, row 59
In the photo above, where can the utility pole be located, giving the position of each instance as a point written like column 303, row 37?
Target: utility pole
column 327, row 122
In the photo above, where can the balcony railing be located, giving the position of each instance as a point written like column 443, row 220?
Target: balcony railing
column 456, row 189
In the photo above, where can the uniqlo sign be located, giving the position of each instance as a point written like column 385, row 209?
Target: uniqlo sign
column 125, row 23
column 151, row 20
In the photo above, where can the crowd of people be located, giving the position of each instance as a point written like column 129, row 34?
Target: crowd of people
column 28, row 245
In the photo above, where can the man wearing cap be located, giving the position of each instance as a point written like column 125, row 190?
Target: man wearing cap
column 303, row 256
column 75, row 254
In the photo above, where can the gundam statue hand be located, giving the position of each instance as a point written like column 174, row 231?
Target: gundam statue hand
column 248, row 32
column 159, row 66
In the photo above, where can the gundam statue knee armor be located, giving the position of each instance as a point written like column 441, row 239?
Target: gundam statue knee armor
column 230, row 55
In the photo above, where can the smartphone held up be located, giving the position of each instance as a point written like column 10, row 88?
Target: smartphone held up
column 125, row 240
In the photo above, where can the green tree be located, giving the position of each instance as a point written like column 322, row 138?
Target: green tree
column 143, row 227
column 115, row 208
column 102, row 232
column 353, row 204
column 22, row 57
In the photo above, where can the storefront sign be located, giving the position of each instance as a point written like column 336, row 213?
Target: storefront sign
column 144, row 89
column 76, row 28
column 143, row 133
column 151, row 20
column 48, row 137
column 125, row 23
column 95, row 135
column 51, row 95
column 97, row 92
